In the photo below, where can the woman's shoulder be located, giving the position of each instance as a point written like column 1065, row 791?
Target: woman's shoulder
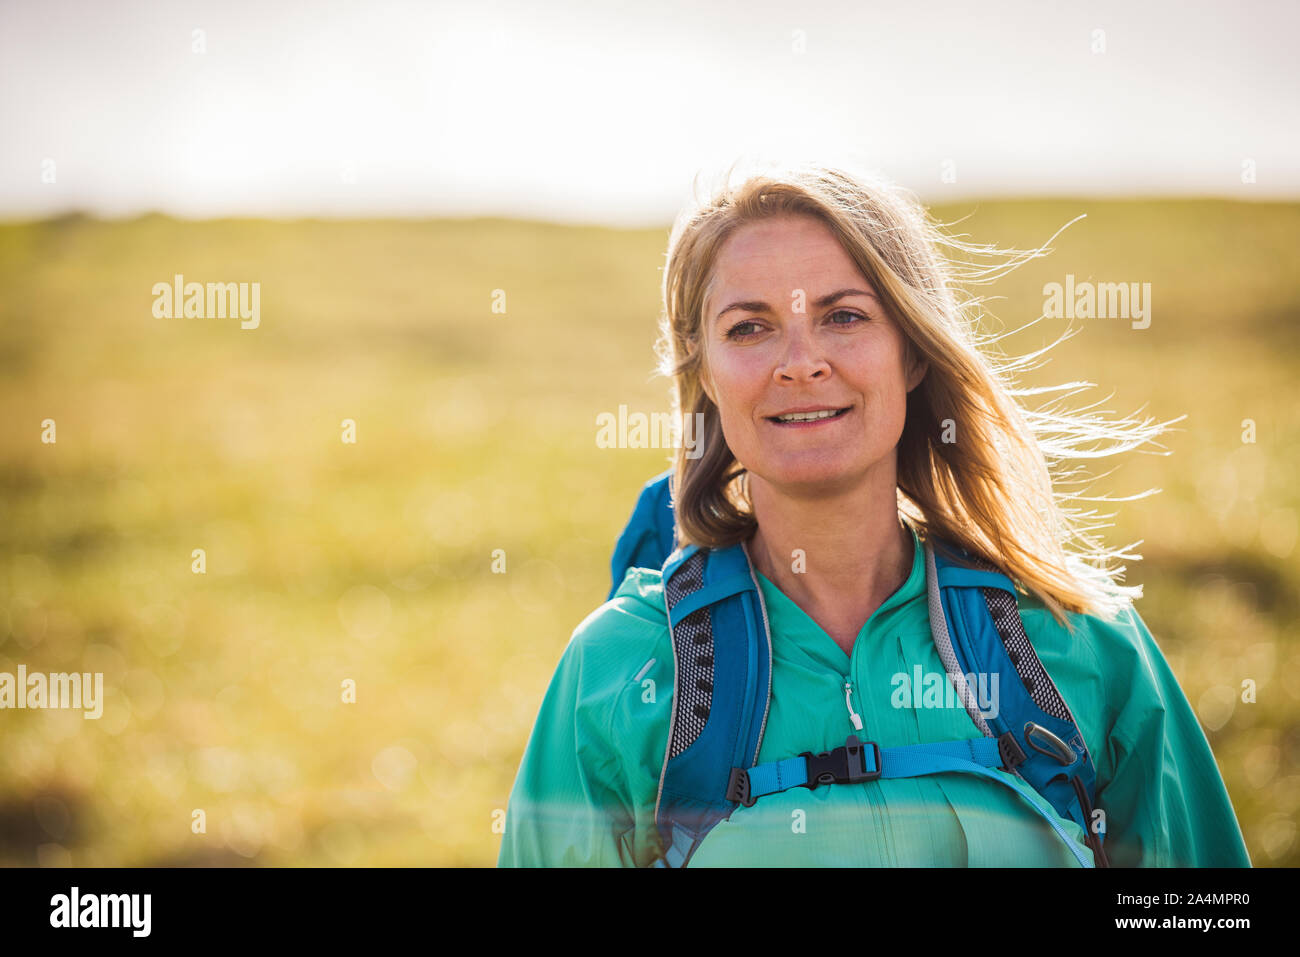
column 622, row 639
column 1106, row 654
column 1108, row 667
column 641, row 593
column 633, row 616
column 1113, row 637
column 616, row 675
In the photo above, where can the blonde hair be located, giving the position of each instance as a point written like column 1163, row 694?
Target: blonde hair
column 992, row 491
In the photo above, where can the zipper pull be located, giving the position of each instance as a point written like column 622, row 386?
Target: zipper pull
column 848, row 701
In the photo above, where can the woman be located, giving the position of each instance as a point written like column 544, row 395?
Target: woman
column 848, row 418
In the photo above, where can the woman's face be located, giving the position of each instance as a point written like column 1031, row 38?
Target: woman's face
column 792, row 325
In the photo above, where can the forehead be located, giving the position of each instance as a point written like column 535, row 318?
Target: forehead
column 780, row 254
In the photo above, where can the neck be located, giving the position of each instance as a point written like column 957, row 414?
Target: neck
column 837, row 556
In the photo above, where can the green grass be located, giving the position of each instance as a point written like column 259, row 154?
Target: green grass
column 476, row 431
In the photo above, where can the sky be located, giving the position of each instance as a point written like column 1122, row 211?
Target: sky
column 611, row 113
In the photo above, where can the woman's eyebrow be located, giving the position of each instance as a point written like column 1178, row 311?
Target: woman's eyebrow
column 835, row 297
column 754, row 305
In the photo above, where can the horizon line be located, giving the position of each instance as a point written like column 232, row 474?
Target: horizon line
column 84, row 214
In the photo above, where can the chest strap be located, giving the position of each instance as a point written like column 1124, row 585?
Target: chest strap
column 857, row 761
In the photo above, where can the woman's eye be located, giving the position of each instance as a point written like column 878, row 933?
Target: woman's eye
column 735, row 331
column 846, row 318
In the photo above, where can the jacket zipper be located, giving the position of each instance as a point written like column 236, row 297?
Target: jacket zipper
column 848, row 703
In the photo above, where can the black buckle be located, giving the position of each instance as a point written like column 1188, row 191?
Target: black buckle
column 1010, row 751
column 842, row 765
column 738, row 787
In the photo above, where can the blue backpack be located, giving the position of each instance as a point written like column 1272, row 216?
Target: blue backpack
column 722, row 682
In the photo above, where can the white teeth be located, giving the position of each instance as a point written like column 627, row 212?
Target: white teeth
column 808, row 416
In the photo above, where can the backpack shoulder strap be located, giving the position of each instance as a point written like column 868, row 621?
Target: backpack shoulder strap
column 975, row 620
column 650, row 533
column 722, row 681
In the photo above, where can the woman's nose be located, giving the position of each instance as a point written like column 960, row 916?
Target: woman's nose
column 802, row 357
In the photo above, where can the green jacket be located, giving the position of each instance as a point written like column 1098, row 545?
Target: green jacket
column 585, row 792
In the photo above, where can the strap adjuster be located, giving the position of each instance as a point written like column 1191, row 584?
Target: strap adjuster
column 1010, row 751
column 738, row 787
column 843, row 765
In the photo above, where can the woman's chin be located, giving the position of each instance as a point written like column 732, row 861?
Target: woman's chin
column 813, row 478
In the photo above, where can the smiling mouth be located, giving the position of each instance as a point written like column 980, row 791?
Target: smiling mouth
column 796, row 418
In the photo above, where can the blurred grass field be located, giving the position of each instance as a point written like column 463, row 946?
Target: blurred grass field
column 475, row 432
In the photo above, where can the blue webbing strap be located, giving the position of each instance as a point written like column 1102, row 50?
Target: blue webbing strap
column 974, row 755
column 709, row 594
column 959, row 577
column 780, row 775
